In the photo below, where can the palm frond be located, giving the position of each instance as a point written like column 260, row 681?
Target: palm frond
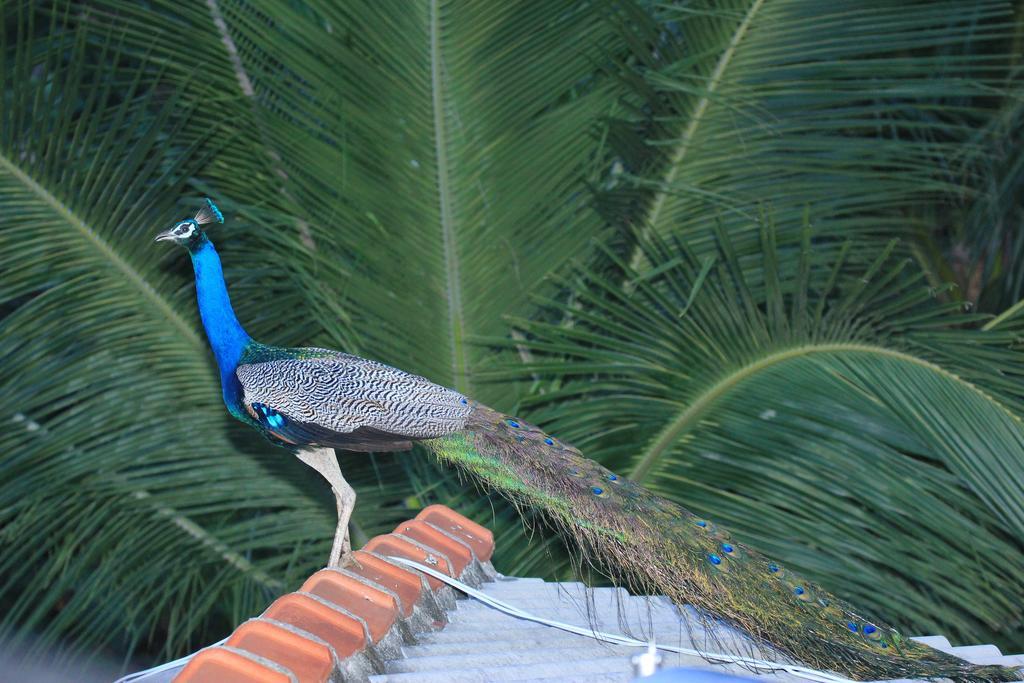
column 862, row 112
column 136, row 522
column 451, row 141
column 823, row 403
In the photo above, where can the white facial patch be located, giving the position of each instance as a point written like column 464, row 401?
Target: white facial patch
column 184, row 230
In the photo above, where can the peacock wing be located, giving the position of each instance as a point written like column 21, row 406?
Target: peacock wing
column 342, row 401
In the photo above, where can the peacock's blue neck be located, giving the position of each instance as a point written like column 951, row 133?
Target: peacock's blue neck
column 227, row 338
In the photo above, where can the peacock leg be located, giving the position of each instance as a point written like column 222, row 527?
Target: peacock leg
column 345, row 497
column 324, row 461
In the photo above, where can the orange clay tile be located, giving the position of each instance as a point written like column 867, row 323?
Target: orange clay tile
column 217, row 665
column 418, row 530
column 378, row 609
column 389, row 544
column 479, row 537
column 403, row 582
column 342, row 632
column 309, row 660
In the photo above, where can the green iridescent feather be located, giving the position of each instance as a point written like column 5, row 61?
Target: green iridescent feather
column 652, row 545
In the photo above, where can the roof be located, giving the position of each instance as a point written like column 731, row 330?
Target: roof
column 378, row 621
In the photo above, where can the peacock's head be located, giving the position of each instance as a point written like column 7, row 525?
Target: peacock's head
column 184, row 232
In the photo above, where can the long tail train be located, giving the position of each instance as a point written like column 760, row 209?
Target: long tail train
column 654, row 545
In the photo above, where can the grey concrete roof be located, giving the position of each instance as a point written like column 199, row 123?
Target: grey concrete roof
column 480, row 643
column 483, row 644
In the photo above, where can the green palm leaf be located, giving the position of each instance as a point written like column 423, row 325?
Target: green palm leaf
column 405, row 129
column 827, row 407
column 855, row 109
column 104, row 472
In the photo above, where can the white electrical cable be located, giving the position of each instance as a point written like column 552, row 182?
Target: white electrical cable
column 164, row 667
column 714, row 657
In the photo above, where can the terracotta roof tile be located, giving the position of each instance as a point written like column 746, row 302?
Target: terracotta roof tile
column 392, row 544
column 457, row 552
column 344, row 633
column 479, row 538
column 310, row 661
column 405, row 583
column 220, row 665
column 338, row 615
column 377, row 608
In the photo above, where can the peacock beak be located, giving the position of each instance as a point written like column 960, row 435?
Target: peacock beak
column 165, row 235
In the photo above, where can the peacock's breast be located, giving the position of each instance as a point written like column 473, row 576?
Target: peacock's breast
column 231, row 391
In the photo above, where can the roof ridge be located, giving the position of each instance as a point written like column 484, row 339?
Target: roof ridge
column 351, row 623
column 344, row 622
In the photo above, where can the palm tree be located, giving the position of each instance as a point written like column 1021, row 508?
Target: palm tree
column 665, row 231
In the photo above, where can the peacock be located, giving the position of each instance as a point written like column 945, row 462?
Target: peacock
column 314, row 400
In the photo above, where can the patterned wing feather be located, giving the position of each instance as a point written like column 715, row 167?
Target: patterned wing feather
column 349, row 402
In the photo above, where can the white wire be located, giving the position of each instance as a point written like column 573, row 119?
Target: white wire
column 164, row 667
column 714, row 657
